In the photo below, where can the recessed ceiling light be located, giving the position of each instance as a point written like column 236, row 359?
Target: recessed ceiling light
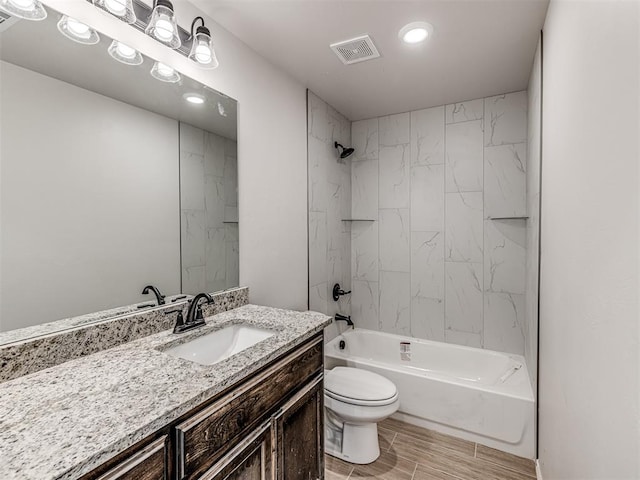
column 415, row 32
column 194, row 98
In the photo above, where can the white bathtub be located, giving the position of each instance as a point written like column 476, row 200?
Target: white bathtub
column 480, row 395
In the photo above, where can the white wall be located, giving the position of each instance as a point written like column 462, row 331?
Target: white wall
column 90, row 211
column 272, row 150
column 589, row 346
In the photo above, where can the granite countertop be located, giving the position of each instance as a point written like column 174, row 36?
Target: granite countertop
column 62, row 422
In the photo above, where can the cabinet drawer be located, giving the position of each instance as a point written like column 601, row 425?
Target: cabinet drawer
column 204, row 438
column 149, row 463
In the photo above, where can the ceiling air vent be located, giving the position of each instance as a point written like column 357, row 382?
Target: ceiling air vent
column 355, row 50
column 6, row 21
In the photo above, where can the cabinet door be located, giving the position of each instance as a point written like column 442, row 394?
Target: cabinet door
column 299, row 434
column 251, row 459
column 149, row 463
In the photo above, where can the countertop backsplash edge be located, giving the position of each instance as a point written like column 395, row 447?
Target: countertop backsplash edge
column 32, row 355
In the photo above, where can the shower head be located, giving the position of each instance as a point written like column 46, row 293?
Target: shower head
column 345, row 151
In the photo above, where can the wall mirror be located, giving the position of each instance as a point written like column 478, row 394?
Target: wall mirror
column 116, row 172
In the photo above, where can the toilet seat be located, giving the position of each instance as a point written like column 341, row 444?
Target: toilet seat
column 359, row 387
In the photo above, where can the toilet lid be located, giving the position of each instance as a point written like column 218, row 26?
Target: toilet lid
column 358, row 384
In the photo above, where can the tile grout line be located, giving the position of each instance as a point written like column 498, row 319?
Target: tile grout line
column 415, row 469
column 475, row 451
column 395, row 434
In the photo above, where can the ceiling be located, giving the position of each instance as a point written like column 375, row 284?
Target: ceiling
column 90, row 67
column 479, row 48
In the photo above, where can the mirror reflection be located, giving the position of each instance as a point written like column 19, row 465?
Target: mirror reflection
column 116, row 172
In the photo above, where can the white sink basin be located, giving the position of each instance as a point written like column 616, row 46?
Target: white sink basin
column 221, row 344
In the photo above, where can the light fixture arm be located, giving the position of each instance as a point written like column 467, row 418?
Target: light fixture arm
column 193, row 24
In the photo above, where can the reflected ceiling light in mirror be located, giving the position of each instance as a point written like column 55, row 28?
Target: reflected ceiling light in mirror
column 124, row 53
column 27, row 9
column 123, row 9
column 415, row 32
column 221, row 110
column 162, row 24
column 77, row 31
column 164, row 73
column 202, row 51
column 194, row 98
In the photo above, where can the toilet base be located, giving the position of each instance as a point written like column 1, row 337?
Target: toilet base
column 353, row 443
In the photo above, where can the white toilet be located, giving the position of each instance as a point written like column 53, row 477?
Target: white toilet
column 355, row 401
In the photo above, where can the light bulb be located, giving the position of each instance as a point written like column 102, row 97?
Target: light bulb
column 124, row 53
column 78, row 28
column 203, row 52
column 117, row 7
column 415, row 32
column 27, row 5
column 77, row 31
column 164, row 73
column 125, row 50
column 415, row 36
column 165, row 70
column 164, row 29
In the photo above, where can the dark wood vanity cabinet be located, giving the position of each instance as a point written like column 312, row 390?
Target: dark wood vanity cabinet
column 268, row 427
column 252, row 458
column 147, row 463
column 299, row 435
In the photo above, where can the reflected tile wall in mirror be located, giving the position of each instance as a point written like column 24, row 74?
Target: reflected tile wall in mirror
column 209, row 211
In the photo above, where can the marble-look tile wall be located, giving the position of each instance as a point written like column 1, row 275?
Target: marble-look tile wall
column 427, row 259
column 533, row 223
column 329, row 206
column 209, row 211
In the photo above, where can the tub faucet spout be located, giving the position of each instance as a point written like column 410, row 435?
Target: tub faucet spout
column 345, row 318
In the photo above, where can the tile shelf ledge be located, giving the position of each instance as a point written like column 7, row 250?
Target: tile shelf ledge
column 358, row 220
column 515, row 217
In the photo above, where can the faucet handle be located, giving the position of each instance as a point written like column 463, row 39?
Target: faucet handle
column 179, row 320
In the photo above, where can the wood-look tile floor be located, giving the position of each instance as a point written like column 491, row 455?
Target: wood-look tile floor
column 408, row 452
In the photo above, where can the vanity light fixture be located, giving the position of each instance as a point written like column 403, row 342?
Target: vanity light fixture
column 194, row 98
column 164, row 73
column 162, row 24
column 77, row 31
column 202, row 51
column 26, row 9
column 124, row 53
column 415, row 32
column 123, row 9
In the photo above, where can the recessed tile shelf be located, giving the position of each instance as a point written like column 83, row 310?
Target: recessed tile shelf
column 230, row 222
column 358, row 220
column 524, row 217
